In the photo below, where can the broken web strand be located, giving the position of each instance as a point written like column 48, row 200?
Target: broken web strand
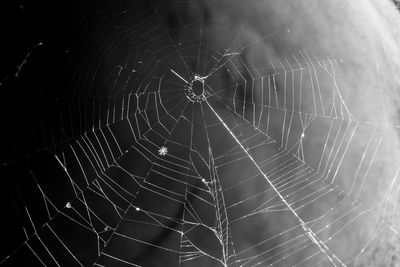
column 216, row 189
column 189, row 249
column 220, row 209
column 186, row 251
column 216, row 192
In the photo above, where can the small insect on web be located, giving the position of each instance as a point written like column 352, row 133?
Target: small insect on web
column 163, row 151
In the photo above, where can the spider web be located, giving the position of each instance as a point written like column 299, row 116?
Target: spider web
column 268, row 166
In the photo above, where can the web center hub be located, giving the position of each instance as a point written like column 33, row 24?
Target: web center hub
column 195, row 89
column 198, row 87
